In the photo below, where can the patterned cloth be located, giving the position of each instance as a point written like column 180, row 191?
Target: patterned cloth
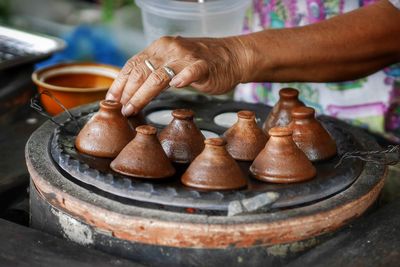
column 372, row 102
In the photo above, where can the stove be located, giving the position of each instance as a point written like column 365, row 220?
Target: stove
column 79, row 198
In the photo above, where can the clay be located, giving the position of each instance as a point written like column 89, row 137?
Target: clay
column 245, row 139
column 214, row 169
column 280, row 114
column 181, row 139
column 144, row 156
column 281, row 161
column 106, row 133
column 310, row 136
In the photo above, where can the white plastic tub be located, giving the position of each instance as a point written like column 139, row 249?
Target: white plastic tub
column 213, row 18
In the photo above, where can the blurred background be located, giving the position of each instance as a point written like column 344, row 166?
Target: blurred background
column 107, row 31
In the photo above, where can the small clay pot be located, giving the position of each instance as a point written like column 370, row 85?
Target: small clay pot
column 281, row 161
column 281, row 113
column 214, row 169
column 106, row 133
column 245, row 139
column 310, row 136
column 181, row 139
column 144, row 156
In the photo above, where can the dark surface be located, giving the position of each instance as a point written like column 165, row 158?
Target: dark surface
column 374, row 241
column 22, row 246
column 95, row 172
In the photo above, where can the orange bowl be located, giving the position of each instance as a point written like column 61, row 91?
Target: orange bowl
column 73, row 84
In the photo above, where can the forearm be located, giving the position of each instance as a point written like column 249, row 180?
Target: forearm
column 346, row 47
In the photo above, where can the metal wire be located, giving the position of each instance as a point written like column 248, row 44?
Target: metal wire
column 375, row 156
column 36, row 105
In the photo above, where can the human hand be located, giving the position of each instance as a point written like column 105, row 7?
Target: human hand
column 210, row 65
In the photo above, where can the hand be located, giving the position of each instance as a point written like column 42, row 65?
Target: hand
column 210, row 65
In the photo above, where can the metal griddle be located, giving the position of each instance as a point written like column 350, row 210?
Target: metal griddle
column 171, row 194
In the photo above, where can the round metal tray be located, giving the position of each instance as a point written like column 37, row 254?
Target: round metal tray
column 95, row 172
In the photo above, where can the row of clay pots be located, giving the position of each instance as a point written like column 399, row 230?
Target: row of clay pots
column 182, row 142
column 109, row 134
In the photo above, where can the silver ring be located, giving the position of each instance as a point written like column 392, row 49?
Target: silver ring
column 169, row 72
column 149, row 65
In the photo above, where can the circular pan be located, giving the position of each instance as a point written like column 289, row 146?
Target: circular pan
column 94, row 173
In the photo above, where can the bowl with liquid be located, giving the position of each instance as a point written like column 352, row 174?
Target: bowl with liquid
column 73, row 84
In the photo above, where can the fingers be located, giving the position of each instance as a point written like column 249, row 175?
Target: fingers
column 117, row 87
column 137, row 77
column 195, row 72
column 155, row 83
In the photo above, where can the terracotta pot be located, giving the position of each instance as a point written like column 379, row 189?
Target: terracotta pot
column 281, row 161
column 214, row 169
column 74, row 84
column 144, row 156
column 310, row 136
column 245, row 139
column 106, row 133
column 181, row 139
column 280, row 114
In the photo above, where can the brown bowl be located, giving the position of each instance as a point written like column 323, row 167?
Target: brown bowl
column 73, row 84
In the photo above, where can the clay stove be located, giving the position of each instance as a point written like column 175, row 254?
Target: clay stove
column 165, row 223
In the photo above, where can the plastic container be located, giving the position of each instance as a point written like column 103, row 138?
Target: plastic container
column 213, row 18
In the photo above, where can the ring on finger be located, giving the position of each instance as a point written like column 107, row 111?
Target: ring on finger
column 170, row 72
column 149, row 65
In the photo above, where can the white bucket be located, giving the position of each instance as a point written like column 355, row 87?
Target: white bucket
column 213, row 18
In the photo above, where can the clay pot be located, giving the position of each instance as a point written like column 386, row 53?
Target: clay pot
column 106, row 133
column 245, row 139
column 144, row 156
column 181, row 139
column 280, row 114
column 281, row 161
column 214, row 169
column 310, row 136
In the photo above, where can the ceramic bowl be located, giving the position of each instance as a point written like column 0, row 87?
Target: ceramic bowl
column 73, row 84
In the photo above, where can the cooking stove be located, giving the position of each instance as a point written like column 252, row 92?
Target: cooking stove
column 78, row 197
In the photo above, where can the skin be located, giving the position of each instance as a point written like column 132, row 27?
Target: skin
column 346, row 47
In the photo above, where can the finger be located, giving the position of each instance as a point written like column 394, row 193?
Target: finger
column 116, row 88
column 137, row 77
column 196, row 72
column 154, row 85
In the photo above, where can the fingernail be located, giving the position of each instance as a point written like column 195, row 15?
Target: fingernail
column 128, row 110
column 110, row 96
column 175, row 82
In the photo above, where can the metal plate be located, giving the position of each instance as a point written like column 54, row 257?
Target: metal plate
column 96, row 172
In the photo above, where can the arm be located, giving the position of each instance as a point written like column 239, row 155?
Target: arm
column 345, row 47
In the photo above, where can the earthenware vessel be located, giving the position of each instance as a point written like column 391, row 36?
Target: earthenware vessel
column 245, row 139
column 144, row 156
column 106, row 133
column 280, row 114
column 181, row 139
column 310, row 136
column 214, row 169
column 281, row 161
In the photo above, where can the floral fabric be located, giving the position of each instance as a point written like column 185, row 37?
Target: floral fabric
column 372, row 102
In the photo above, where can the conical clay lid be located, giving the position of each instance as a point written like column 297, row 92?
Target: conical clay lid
column 181, row 139
column 310, row 136
column 245, row 139
column 106, row 133
column 144, row 156
column 214, row 169
column 281, row 161
column 280, row 114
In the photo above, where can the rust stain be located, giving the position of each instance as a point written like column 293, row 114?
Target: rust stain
column 182, row 234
